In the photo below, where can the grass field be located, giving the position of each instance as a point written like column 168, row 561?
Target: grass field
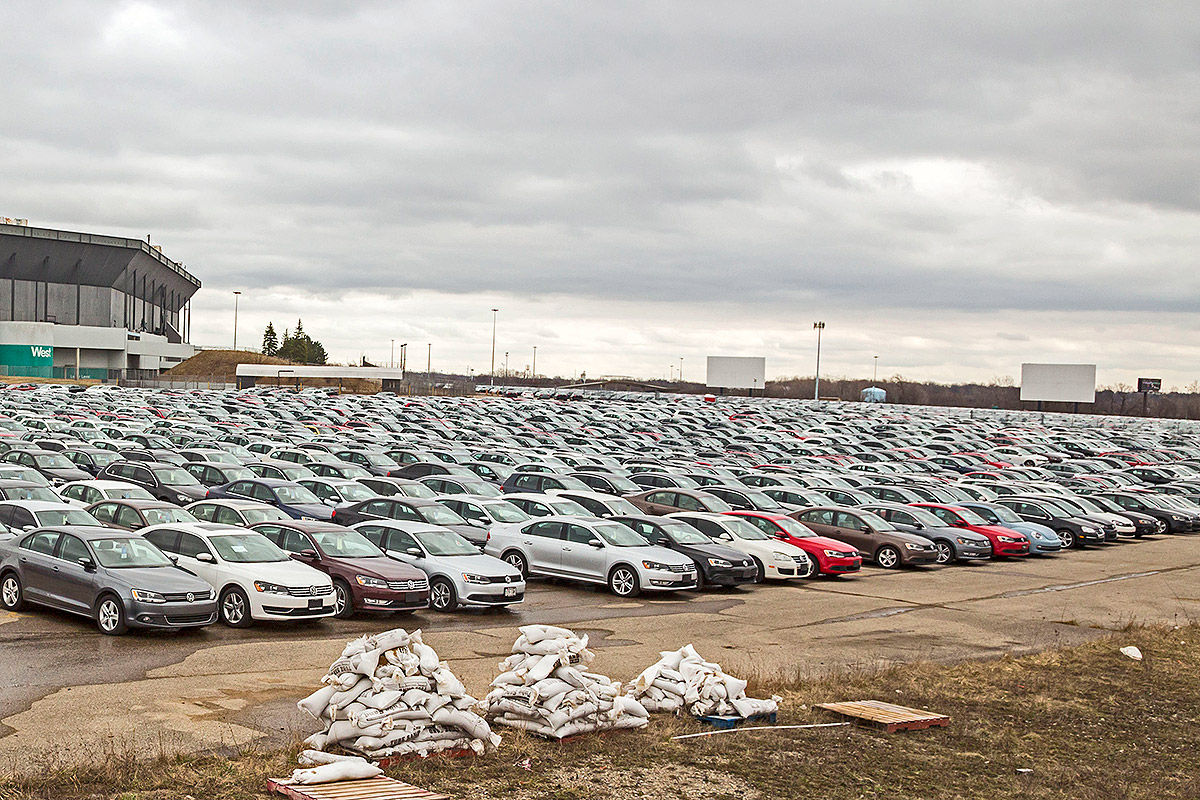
column 1082, row 723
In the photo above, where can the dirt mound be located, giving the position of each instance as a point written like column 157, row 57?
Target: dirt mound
column 218, row 365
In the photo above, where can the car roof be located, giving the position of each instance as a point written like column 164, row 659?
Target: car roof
column 232, row 502
column 302, row 524
column 199, row 528
column 91, row 532
column 139, row 502
column 408, row 526
column 37, row 505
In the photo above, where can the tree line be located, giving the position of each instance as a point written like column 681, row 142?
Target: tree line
column 296, row 346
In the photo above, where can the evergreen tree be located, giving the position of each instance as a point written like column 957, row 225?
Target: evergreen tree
column 301, row 347
column 270, row 344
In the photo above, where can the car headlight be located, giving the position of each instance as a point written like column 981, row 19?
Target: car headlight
column 143, row 596
column 961, row 540
column 1177, row 518
column 656, row 565
column 720, row 562
column 782, row 556
column 837, row 554
column 469, row 578
column 309, row 519
column 270, row 588
column 183, row 498
column 1087, row 529
column 1008, row 539
column 1037, row 535
column 912, row 546
column 367, row 580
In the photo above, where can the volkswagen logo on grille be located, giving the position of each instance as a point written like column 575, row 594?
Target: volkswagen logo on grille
column 191, row 597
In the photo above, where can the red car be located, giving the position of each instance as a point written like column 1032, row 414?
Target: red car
column 831, row 556
column 1005, row 543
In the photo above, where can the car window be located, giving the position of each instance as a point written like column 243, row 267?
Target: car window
column 849, row 522
column 548, row 530
column 127, row 517
column 192, row 545
column 204, row 512
column 379, row 507
column 165, row 540
column 374, row 534
column 945, row 515
column 764, row 525
column 226, row 516
column 400, row 541
column 294, row 541
column 663, row 498
column 689, row 503
column 710, row 528
column 72, row 548
column 43, row 542
column 579, row 534
column 73, row 492
column 263, row 494
column 105, row 511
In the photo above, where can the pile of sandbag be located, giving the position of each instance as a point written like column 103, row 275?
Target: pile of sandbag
column 390, row 695
column 544, row 688
column 683, row 681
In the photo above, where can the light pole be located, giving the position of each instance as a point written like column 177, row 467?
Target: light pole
column 818, row 327
column 493, row 369
column 533, row 369
column 681, row 369
column 392, row 359
column 505, row 365
column 875, row 371
column 236, row 295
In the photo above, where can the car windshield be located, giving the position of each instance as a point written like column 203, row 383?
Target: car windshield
column 969, row 516
column 32, row 493
column 619, row 535
column 253, row 516
column 294, row 495
column 246, row 548
column 794, row 528
column 220, row 456
column 345, row 544
column 237, row 473
column 128, row 552
column 176, row 477
column 505, row 512
column 684, row 534
column 378, row 459
column 568, row 507
column 353, row 492
column 925, row 517
column 619, row 505
column 354, row 470
column 440, row 515
column 53, row 461
column 481, row 488
column 622, row 484
column 158, row 516
column 103, row 458
column 743, row 530
column 127, row 493
column 296, row 471
column 761, row 500
column 24, row 474
column 1001, row 513
column 66, row 516
column 416, row 490
column 445, row 543
column 1087, row 506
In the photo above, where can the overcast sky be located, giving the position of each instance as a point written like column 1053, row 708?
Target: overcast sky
column 954, row 187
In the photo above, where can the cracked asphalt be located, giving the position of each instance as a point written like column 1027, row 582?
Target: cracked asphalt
column 68, row 691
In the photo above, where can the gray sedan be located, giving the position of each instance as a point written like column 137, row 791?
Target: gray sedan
column 118, row 579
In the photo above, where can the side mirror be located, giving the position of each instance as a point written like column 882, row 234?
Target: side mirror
column 206, row 557
column 310, row 555
column 27, row 527
column 133, row 526
column 87, row 564
column 414, row 551
column 329, row 501
column 596, row 543
column 173, row 558
column 918, row 525
column 781, row 536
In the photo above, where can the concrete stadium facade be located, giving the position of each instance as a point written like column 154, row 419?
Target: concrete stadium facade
column 90, row 306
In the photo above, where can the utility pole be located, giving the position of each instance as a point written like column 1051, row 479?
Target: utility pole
column 493, row 369
column 681, row 369
column 818, row 327
column 533, row 369
column 505, row 365
column 236, row 295
column 875, row 371
column 392, row 358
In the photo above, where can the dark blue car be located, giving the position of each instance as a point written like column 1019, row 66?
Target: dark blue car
column 289, row 497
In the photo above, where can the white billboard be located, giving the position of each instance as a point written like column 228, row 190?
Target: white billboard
column 1059, row 383
column 736, row 372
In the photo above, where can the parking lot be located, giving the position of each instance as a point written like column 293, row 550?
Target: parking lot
column 65, row 689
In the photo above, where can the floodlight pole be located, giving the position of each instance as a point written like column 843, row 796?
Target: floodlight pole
column 493, row 370
column 875, row 371
column 818, row 326
column 236, row 295
column 533, row 369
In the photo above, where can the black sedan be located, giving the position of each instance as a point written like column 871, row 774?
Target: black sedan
column 118, row 579
column 716, row 564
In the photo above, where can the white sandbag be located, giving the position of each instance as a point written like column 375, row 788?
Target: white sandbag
column 311, row 758
column 317, row 702
column 347, row 770
column 702, row 688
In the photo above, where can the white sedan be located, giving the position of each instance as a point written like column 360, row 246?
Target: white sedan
column 253, row 577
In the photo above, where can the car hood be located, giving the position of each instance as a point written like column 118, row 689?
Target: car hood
column 993, row 530
column 158, row 579
column 655, row 553
column 1031, row 527
column 713, row 550
column 198, row 492
column 314, row 510
column 69, row 473
column 382, row 567
column 287, row 573
column 831, row 544
column 477, row 565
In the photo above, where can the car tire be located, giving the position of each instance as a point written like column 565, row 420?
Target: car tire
column 343, row 600
column 517, row 559
column 888, row 557
column 1069, row 539
column 945, row 552
column 109, row 615
column 623, row 581
column 762, row 572
column 442, row 596
column 12, row 595
column 701, row 581
column 234, row 608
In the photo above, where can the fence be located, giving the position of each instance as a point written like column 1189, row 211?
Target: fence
column 141, row 383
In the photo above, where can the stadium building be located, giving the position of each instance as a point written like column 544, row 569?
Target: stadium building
column 89, row 306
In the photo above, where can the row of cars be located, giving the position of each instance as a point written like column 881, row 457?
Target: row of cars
column 143, row 508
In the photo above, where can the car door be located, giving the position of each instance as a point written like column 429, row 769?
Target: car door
column 73, row 586
column 662, row 503
column 404, row 546
column 128, row 518
column 224, row 515
column 852, row 530
column 23, row 519
column 35, row 561
column 543, row 543
column 580, row 558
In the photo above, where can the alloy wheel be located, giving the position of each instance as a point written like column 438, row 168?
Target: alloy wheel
column 623, row 582
column 109, row 615
column 887, row 558
column 233, row 609
column 10, row 592
column 439, row 596
column 944, row 554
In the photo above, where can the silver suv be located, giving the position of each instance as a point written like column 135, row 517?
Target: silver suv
column 592, row 550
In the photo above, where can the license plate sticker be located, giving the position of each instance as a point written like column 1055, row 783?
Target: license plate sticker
column 314, row 603
column 510, row 591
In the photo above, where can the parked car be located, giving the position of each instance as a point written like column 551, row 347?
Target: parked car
column 56, row 467
column 26, row 515
column 541, row 482
column 594, row 551
column 829, row 556
column 217, row 473
column 86, row 493
column 163, row 481
column 546, row 505
column 484, row 512
column 337, row 491
column 132, row 515
column 774, row 560
column 458, row 574
column 280, row 470
column 669, row 501
column 289, row 497
column 1042, row 540
column 254, row 579
column 24, row 490
column 364, row 578
column 874, row 537
column 456, row 484
column 599, row 504
column 238, row 513
column 952, row 543
column 410, row 509
column 716, row 564
column 389, row 487
column 1073, row 532
column 91, row 459
column 116, row 578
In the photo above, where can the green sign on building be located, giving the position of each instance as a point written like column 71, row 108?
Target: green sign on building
column 27, row 360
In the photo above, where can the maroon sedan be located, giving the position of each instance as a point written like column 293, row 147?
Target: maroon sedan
column 364, row 578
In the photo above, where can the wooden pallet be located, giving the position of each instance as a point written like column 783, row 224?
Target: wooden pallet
column 377, row 788
column 725, row 723
column 888, row 716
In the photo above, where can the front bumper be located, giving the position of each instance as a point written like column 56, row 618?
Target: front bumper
column 918, row 556
column 492, row 594
column 974, row 552
column 374, row 599
column 839, row 566
column 1010, row 549
column 731, row 576
column 170, row 615
column 1037, row 546
column 282, row 606
column 657, row 580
